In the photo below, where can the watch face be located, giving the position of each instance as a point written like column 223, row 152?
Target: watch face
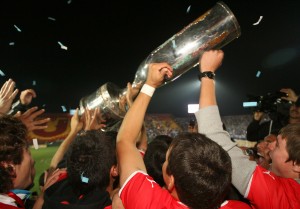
column 210, row 75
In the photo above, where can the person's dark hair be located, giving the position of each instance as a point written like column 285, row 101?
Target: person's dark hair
column 112, row 138
column 13, row 134
column 202, row 170
column 91, row 156
column 291, row 133
column 155, row 156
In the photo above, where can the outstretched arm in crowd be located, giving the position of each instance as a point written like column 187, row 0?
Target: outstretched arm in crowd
column 76, row 126
column 142, row 141
column 31, row 119
column 209, row 122
column 129, row 158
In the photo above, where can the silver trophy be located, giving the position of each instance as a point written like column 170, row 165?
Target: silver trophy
column 212, row 30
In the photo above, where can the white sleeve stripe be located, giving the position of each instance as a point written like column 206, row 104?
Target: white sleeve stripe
column 248, row 187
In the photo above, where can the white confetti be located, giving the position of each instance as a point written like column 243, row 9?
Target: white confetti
column 35, row 143
column 2, row 73
column 18, row 29
column 72, row 111
column 258, row 74
column 51, row 18
column 62, row 46
column 69, row 2
column 11, row 43
column 63, row 108
column 260, row 18
column 33, row 82
column 188, row 9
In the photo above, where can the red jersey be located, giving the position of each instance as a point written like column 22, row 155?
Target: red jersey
column 141, row 191
column 234, row 204
column 268, row 191
column 5, row 206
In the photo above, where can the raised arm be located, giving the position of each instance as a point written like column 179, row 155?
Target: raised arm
column 210, row 124
column 129, row 158
column 76, row 126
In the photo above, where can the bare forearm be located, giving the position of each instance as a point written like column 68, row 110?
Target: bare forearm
column 133, row 121
column 58, row 156
column 39, row 202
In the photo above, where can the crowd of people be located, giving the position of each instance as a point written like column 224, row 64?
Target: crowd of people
column 199, row 168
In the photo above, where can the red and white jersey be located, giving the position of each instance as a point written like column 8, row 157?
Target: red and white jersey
column 5, row 206
column 268, row 191
column 141, row 191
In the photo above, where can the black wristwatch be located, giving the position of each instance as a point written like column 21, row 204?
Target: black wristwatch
column 207, row 74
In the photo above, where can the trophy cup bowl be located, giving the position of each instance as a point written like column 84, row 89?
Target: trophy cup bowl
column 213, row 30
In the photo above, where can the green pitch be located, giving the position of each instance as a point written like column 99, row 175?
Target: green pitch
column 42, row 157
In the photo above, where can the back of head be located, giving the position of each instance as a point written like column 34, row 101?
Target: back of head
column 89, row 161
column 111, row 136
column 13, row 135
column 155, row 156
column 201, row 169
column 291, row 133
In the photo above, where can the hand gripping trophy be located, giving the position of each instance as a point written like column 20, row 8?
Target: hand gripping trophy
column 213, row 30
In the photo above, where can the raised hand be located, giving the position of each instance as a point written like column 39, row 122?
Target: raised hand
column 26, row 96
column 93, row 119
column 157, row 73
column 7, row 95
column 31, row 120
column 291, row 95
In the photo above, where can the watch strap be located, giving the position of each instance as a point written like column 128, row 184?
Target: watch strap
column 208, row 74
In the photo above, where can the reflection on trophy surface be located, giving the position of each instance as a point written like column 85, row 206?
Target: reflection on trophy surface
column 212, row 30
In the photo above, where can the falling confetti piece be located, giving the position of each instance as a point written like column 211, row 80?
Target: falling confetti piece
column 188, row 9
column 18, row 29
column 72, row 111
column 35, row 143
column 260, row 18
column 62, row 46
column 33, row 83
column 63, row 108
column 11, row 43
column 51, row 18
column 258, row 74
column 69, row 2
column 2, row 73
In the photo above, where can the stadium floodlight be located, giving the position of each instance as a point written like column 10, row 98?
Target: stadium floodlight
column 192, row 108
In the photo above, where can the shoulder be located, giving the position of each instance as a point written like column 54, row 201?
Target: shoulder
column 232, row 204
column 141, row 191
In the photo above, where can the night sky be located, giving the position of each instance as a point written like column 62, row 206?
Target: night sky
column 107, row 40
